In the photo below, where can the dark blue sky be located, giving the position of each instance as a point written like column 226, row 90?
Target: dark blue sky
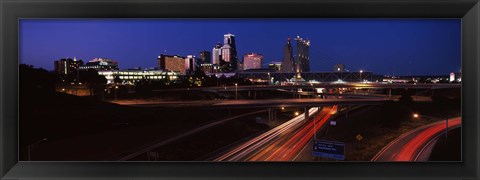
column 384, row 46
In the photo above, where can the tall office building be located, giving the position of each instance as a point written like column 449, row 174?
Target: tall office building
column 252, row 61
column 190, row 65
column 217, row 54
column 229, row 52
column 205, row 57
column 303, row 57
column 172, row 63
column 288, row 62
column 67, row 66
column 68, row 69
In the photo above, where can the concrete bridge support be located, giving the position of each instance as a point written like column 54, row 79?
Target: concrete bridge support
column 306, row 113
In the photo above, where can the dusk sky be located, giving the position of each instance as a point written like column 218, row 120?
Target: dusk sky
column 383, row 46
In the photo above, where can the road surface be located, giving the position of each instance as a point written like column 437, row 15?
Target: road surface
column 415, row 144
column 282, row 143
column 264, row 103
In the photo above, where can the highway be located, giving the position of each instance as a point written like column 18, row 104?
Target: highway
column 415, row 144
column 283, row 142
column 137, row 152
column 319, row 85
column 264, row 103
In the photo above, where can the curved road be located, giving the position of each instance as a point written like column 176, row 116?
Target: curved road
column 412, row 145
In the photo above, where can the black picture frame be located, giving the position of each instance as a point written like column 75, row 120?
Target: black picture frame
column 11, row 11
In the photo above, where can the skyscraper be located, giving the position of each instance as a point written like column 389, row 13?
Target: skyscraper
column 303, row 57
column 217, row 54
column 205, row 57
column 288, row 63
column 252, row 61
column 229, row 52
column 190, row 65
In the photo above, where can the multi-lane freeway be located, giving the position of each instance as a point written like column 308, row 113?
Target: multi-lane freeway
column 414, row 145
column 283, row 142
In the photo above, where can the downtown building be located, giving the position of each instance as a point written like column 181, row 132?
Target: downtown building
column 208, row 62
column 67, row 66
column 275, row 66
column 205, row 57
column 252, row 61
column 190, row 65
column 229, row 57
column 288, row 63
column 303, row 56
column 217, row 54
column 100, row 64
column 132, row 76
column 67, row 69
column 172, row 63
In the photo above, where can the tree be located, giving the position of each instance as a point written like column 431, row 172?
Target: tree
column 92, row 79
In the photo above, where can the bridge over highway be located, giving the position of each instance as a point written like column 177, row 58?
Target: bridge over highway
column 321, row 85
column 264, row 103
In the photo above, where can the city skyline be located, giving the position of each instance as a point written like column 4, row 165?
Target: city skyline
column 377, row 45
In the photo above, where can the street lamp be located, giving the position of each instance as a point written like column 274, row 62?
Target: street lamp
column 269, row 78
column 30, row 147
column 415, row 115
column 361, row 71
column 116, row 87
column 236, row 91
column 297, row 113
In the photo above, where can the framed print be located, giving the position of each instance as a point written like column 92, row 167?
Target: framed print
column 239, row 89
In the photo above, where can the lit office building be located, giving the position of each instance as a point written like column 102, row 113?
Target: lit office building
column 276, row 66
column 288, row 63
column 229, row 52
column 100, row 64
column 303, row 56
column 190, row 65
column 206, row 68
column 67, row 69
column 217, row 54
column 132, row 76
column 67, row 66
column 252, row 61
column 339, row 68
column 172, row 63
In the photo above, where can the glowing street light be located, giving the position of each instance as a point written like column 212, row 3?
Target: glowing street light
column 116, row 87
column 361, row 71
column 297, row 113
column 236, row 91
column 415, row 115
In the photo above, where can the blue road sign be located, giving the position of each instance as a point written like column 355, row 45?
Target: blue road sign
column 329, row 149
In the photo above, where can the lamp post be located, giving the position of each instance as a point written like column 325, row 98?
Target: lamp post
column 30, row 147
column 415, row 115
column 116, row 87
column 236, row 91
column 361, row 71
column 268, row 78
